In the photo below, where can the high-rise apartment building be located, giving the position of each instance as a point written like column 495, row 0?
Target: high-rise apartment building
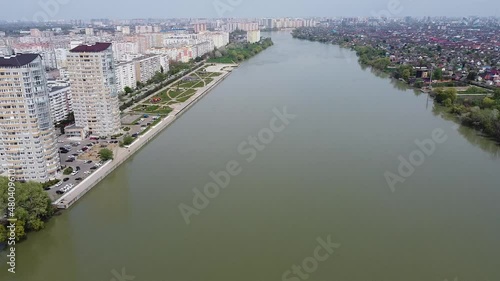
column 93, row 89
column 28, row 147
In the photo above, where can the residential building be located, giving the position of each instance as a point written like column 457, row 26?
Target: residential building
column 28, row 147
column 200, row 27
column 125, row 75
column 60, row 100
column 253, row 36
column 139, row 70
column 94, row 89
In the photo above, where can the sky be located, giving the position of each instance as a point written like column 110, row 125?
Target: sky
column 127, row 9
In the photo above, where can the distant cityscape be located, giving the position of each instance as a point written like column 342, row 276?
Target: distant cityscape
column 83, row 75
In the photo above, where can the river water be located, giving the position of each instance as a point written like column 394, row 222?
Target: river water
column 320, row 177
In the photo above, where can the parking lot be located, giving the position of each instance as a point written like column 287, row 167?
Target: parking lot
column 83, row 157
column 73, row 159
column 136, row 127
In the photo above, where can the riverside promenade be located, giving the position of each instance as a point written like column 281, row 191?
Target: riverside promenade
column 122, row 154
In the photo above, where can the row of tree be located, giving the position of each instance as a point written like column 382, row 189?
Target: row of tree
column 478, row 113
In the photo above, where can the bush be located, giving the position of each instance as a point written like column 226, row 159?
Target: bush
column 106, row 154
column 68, row 171
column 127, row 140
column 126, row 129
column 50, row 183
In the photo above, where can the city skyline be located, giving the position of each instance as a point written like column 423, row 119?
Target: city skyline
column 69, row 9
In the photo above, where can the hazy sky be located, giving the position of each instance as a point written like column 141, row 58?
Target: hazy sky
column 87, row 9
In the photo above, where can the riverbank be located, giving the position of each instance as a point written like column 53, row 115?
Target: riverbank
column 240, row 51
column 477, row 107
column 121, row 154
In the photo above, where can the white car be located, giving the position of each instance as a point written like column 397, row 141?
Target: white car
column 74, row 173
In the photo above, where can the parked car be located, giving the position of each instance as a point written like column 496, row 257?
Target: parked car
column 85, row 148
column 93, row 167
column 70, row 160
column 66, row 179
column 78, row 179
column 74, row 173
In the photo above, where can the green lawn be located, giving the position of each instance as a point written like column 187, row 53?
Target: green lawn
column 192, row 84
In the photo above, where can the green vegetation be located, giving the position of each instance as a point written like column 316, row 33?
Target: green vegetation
column 480, row 113
column 68, row 171
column 49, row 183
column 372, row 57
column 237, row 52
column 106, row 154
column 128, row 90
column 33, row 207
column 127, row 140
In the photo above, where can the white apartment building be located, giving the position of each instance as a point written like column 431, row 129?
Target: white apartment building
column 219, row 39
column 61, row 57
column 28, row 147
column 60, row 101
column 202, row 48
column 253, row 36
column 143, row 29
column 125, row 75
column 146, row 67
column 94, row 89
column 180, row 53
column 139, row 70
column 121, row 50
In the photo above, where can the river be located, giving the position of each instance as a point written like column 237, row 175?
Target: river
column 322, row 176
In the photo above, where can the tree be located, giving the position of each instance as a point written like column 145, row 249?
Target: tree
column 419, row 83
column 106, row 154
column 496, row 93
column 471, row 76
column 442, row 95
column 128, row 90
column 33, row 205
column 128, row 140
column 488, row 103
column 406, row 74
column 3, row 233
column 437, row 74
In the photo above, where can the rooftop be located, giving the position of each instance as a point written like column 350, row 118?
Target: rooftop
column 17, row 60
column 97, row 47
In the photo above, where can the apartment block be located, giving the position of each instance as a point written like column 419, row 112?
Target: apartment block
column 60, row 100
column 94, row 89
column 28, row 147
